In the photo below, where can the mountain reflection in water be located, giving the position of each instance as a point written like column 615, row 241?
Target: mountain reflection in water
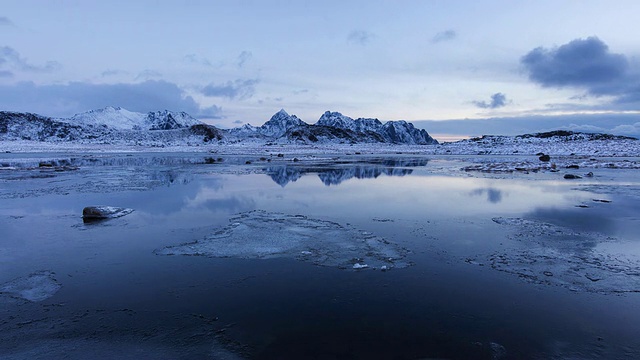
column 337, row 172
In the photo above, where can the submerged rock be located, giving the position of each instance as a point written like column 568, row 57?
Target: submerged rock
column 262, row 235
column 572, row 176
column 35, row 287
column 93, row 213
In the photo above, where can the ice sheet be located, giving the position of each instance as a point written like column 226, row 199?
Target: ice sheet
column 555, row 255
column 35, row 287
column 261, row 235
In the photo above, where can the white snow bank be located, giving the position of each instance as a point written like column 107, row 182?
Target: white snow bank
column 261, row 235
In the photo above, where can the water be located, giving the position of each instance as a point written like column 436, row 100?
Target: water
column 493, row 266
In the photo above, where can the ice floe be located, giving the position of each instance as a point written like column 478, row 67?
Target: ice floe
column 559, row 256
column 35, row 287
column 260, row 234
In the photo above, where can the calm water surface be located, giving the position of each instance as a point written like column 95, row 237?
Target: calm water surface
column 119, row 299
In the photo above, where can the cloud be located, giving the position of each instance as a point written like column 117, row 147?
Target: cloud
column 240, row 89
column 243, row 58
column 360, row 37
column 75, row 97
column 447, row 35
column 195, row 59
column 498, row 100
column 113, row 72
column 4, row 21
column 12, row 59
column 239, row 122
column 6, row 74
column 148, row 74
column 581, row 62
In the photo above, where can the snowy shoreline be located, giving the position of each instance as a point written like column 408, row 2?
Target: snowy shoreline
column 492, row 146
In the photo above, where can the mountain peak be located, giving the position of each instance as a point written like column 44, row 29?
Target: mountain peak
column 279, row 123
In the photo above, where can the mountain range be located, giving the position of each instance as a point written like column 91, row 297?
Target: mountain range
column 115, row 125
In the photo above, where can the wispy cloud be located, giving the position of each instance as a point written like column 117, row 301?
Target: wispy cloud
column 197, row 59
column 148, row 74
column 10, row 58
column 243, row 58
column 6, row 74
column 498, row 100
column 5, row 21
column 238, row 89
column 360, row 37
column 446, row 35
column 113, row 72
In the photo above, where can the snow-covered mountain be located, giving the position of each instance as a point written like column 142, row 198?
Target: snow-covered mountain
column 279, row 123
column 115, row 125
column 397, row 132
column 121, row 119
column 275, row 128
column 338, row 120
column 109, row 126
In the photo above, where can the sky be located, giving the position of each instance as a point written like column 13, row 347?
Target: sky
column 235, row 62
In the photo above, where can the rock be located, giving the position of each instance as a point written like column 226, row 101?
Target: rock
column 589, row 174
column 544, row 158
column 573, row 166
column 93, row 213
column 572, row 176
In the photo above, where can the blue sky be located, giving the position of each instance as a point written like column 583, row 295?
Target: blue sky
column 235, row 62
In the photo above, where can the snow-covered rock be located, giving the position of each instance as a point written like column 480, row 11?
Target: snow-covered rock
column 93, row 213
column 27, row 126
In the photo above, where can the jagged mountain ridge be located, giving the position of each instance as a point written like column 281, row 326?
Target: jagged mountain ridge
column 335, row 127
column 119, row 126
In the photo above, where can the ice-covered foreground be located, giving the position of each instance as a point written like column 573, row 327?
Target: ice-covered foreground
column 261, row 235
column 35, row 287
column 554, row 255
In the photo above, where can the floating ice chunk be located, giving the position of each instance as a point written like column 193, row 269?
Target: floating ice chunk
column 360, row 266
column 260, row 235
column 35, row 287
column 93, row 213
column 559, row 256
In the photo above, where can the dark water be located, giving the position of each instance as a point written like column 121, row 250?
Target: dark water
column 119, row 299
